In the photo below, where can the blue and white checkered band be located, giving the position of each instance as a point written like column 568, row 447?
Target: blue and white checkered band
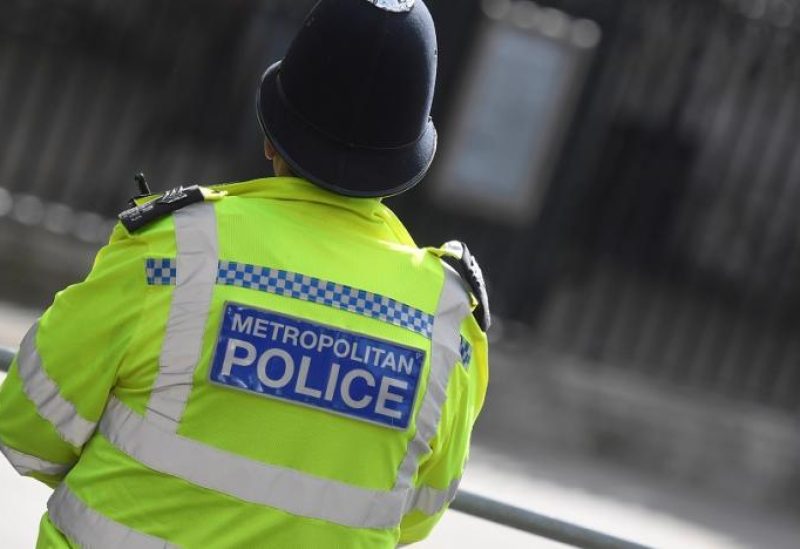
column 466, row 352
column 334, row 295
column 395, row 6
column 162, row 271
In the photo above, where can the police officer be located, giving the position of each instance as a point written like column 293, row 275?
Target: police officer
column 272, row 363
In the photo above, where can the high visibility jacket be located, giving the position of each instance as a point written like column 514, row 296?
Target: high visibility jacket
column 279, row 368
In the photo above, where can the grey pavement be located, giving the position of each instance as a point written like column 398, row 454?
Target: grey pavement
column 569, row 487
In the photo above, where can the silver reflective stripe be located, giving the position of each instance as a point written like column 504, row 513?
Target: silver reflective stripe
column 90, row 529
column 453, row 308
column 256, row 482
column 25, row 464
column 197, row 266
column 292, row 491
column 45, row 395
column 430, row 500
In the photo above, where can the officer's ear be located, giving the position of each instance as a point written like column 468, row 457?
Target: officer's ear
column 269, row 150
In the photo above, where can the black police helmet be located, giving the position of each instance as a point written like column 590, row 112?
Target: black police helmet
column 349, row 106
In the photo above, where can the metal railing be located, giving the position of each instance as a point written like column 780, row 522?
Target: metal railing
column 534, row 523
column 497, row 512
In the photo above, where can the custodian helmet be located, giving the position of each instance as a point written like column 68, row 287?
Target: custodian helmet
column 349, row 106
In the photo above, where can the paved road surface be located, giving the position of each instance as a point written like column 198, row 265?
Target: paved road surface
column 567, row 487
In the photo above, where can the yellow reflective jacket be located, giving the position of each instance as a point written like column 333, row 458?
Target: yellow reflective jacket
column 279, row 368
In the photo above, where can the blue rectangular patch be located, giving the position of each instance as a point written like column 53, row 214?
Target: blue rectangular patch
column 307, row 363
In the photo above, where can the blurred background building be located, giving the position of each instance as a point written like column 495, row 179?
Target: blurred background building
column 627, row 172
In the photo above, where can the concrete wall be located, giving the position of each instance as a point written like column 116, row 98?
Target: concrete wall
column 546, row 402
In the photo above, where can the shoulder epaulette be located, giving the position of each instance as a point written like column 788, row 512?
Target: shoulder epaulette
column 137, row 217
column 471, row 272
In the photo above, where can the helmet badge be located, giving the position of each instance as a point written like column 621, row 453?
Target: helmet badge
column 396, row 6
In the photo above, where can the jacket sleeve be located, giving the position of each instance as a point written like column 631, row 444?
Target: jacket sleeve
column 67, row 364
column 439, row 476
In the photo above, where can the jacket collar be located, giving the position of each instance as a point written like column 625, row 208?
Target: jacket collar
column 296, row 189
